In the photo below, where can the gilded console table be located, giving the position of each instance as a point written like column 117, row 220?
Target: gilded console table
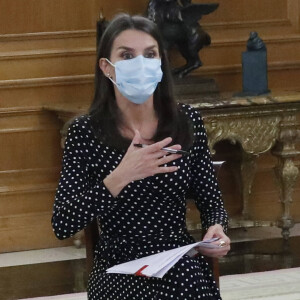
column 258, row 124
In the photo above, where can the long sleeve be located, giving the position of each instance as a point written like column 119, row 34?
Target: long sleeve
column 208, row 197
column 80, row 196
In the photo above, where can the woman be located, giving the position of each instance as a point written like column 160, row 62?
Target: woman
column 138, row 194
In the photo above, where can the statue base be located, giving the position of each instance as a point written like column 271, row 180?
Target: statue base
column 192, row 89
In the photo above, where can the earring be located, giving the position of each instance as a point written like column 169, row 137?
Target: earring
column 108, row 75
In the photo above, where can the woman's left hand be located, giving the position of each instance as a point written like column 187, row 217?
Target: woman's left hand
column 216, row 231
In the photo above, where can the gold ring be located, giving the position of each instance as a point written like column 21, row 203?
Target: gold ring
column 222, row 244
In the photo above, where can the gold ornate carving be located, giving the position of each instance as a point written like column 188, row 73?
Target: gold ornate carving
column 286, row 172
column 255, row 134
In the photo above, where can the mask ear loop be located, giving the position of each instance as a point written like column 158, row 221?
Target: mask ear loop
column 108, row 75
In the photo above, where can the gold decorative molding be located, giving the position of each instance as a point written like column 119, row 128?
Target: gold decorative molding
column 256, row 135
column 286, row 171
column 259, row 125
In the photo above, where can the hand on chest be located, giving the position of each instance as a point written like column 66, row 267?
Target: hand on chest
column 164, row 183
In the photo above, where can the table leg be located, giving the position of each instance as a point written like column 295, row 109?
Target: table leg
column 248, row 170
column 286, row 171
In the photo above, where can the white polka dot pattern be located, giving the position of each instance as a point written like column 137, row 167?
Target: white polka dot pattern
column 147, row 217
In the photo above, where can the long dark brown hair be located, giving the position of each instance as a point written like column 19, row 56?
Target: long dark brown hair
column 105, row 115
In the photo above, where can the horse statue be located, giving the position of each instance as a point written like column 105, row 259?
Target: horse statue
column 178, row 23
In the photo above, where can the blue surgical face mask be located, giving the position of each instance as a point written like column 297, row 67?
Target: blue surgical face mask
column 137, row 78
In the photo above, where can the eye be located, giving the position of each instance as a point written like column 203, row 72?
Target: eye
column 151, row 54
column 127, row 55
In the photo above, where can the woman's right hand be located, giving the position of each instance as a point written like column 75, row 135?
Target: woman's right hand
column 139, row 163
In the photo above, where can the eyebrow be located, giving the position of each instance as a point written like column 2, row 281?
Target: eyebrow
column 131, row 49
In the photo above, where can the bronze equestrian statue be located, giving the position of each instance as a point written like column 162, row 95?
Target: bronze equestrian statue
column 178, row 23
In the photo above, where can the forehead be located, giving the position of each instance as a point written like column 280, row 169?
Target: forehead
column 135, row 39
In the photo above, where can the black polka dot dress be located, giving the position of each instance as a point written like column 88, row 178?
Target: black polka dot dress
column 147, row 217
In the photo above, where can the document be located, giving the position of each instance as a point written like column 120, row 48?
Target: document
column 157, row 265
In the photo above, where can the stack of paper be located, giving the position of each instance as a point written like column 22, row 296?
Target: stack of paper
column 157, row 265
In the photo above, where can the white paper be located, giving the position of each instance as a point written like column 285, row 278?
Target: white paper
column 157, row 265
